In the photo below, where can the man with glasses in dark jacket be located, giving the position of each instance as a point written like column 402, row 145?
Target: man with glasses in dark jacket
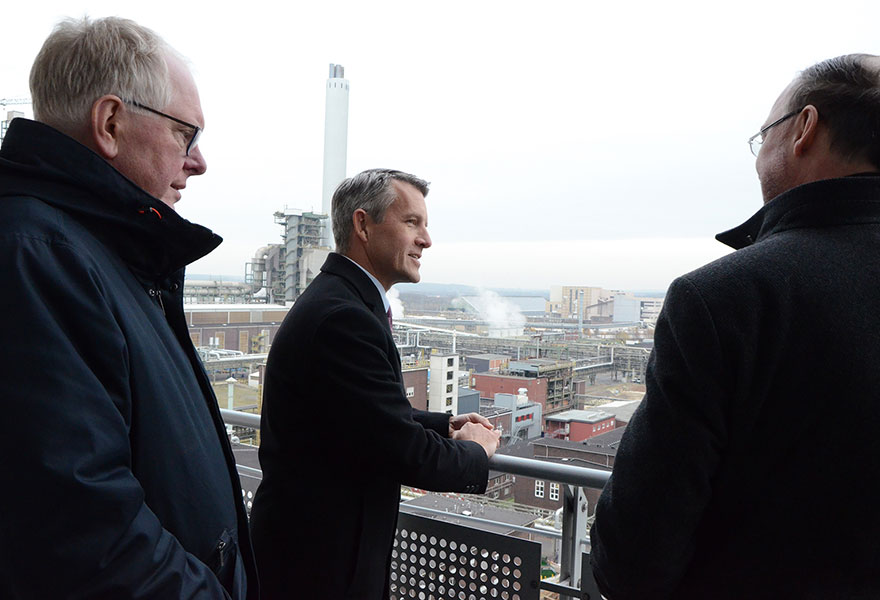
column 748, row 470
column 125, row 484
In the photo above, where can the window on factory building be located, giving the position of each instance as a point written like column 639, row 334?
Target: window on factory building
column 554, row 491
column 410, row 392
column 449, row 362
column 448, row 374
column 539, row 488
column 449, row 401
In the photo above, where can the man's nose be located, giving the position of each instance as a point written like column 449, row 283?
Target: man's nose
column 426, row 239
column 195, row 163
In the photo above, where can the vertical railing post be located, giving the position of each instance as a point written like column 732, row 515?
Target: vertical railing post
column 574, row 528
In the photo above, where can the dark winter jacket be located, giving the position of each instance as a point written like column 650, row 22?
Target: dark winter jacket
column 750, row 469
column 120, row 482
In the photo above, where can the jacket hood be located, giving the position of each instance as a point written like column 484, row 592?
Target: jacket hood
column 38, row 161
column 846, row 200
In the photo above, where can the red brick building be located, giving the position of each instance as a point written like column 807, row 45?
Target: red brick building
column 579, row 425
column 248, row 328
column 596, row 453
column 415, row 382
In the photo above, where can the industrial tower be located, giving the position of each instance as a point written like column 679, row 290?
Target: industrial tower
column 335, row 140
column 279, row 273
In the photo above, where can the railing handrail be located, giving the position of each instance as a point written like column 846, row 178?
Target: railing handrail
column 549, row 533
column 242, row 419
column 540, row 469
column 515, row 465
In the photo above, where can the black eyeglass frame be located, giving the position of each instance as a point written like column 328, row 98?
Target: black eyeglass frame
column 759, row 137
column 197, row 131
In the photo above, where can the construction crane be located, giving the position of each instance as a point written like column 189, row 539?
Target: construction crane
column 14, row 101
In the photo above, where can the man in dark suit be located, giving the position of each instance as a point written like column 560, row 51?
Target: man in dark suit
column 750, row 468
column 338, row 433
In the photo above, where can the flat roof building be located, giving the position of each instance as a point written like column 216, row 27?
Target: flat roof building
column 578, row 425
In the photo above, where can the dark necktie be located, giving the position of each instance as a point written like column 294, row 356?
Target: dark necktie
column 390, row 320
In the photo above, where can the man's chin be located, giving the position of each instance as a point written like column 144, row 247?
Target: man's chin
column 404, row 276
column 169, row 202
column 170, row 198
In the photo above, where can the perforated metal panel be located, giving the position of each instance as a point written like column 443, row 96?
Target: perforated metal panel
column 435, row 560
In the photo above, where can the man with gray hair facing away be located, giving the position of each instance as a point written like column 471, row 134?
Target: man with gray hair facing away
column 120, row 478
column 750, row 468
column 324, row 516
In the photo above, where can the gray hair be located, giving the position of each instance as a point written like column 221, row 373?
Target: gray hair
column 372, row 191
column 84, row 59
column 846, row 92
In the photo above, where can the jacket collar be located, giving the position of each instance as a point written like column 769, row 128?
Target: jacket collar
column 336, row 264
column 829, row 202
column 41, row 162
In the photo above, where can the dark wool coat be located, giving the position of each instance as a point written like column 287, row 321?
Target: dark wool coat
column 338, row 438
column 119, row 479
column 750, row 469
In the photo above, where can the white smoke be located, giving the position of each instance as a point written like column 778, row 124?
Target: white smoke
column 396, row 303
column 502, row 314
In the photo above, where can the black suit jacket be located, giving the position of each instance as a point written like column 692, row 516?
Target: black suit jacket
column 338, row 439
column 750, row 469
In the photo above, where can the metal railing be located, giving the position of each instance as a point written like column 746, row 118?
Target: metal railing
column 242, row 419
column 572, row 582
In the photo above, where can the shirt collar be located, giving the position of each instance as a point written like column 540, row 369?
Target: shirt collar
column 378, row 285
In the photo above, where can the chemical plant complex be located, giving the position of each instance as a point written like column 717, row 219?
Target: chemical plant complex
column 559, row 372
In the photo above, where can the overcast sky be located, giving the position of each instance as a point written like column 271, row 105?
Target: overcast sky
column 568, row 143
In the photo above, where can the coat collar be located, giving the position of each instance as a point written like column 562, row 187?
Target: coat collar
column 829, row 202
column 41, row 162
column 336, row 264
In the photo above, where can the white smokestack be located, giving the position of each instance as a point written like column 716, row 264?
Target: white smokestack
column 335, row 140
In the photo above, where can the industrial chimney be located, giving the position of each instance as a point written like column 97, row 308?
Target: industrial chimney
column 335, row 140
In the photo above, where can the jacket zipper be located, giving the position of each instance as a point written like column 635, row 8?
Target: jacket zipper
column 157, row 294
column 221, row 545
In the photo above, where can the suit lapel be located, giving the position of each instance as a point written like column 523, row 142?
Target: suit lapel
column 336, row 264
column 345, row 268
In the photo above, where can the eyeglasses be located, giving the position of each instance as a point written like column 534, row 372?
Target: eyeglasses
column 196, row 130
column 757, row 140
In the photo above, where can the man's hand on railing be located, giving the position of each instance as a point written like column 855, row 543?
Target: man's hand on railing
column 484, row 436
column 458, row 421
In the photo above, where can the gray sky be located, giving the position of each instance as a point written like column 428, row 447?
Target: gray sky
column 571, row 144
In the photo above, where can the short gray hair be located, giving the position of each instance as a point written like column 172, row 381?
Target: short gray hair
column 84, row 59
column 372, row 191
column 846, row 92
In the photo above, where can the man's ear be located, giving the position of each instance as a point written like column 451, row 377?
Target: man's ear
column 360, row 220
column 807, row 124
column 105, row 124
